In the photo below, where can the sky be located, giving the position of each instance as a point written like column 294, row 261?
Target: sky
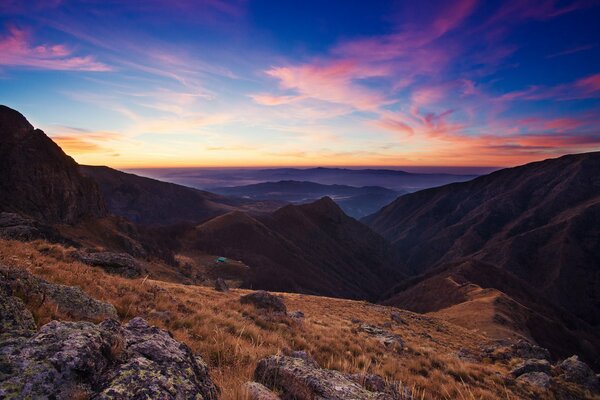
column 215, row 83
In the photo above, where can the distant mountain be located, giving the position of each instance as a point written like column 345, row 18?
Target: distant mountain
column 207, row 178
column 357, row 202
column 38, row 179
column 311, row 248
column 148, row 201
column 540, row 222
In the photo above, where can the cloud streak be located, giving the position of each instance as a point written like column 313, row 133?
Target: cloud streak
column 18, row 50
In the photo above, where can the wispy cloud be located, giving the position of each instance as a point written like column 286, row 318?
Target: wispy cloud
column 572, row 50
column 18, row 50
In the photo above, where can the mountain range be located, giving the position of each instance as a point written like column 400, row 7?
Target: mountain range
column 357, row 202
column 210, row 178
column 515, row 253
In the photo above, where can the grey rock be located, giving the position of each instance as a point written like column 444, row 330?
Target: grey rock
column 256, row 391
column 17, row 227
column 528, row 366
column 108, row 361
column 397, row 318
column 296, row 315
column 69, row 299
column 299, row 380
column 221, row 285
column 14, row 317
column 576, row 371
column 520, row 349
column 303, row 355
column 264, row 300
column 118, row 263
column 538, row 379
column 385, row 337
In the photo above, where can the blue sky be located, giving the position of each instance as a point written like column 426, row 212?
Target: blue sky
column 268, row 83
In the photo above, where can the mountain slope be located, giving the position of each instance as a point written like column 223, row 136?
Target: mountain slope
column 357, row 202
column 146, row 200
column 480, row 296
column 38, row 179
column 540, row 221
column 312, row 248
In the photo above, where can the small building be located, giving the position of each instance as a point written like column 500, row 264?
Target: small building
column 221, row 259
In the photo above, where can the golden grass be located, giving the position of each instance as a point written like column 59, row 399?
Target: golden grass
column 232, row 337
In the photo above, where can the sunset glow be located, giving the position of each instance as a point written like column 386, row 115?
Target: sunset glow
column 259, row 83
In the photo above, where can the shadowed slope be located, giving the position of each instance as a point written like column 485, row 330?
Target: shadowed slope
column 313, row 248
column 540, row 221
column 38, row 179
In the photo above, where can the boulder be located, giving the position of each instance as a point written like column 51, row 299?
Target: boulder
column 17, row 227
column 299, row 380
column 256, row 391
column 296, row 315
column 14, row 317
column 264, row 300
column 540, row 380
column 576, row 371
column 303, row 355
column 104, row 361
column 528, row 366
column 397, row 318
column 385, row 337
column 221, row 285
column 69, row 299
column 507, row 350
column 118, row 263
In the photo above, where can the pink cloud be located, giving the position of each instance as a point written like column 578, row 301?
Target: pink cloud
column 266, row 99
column 17, row 51
column 332, row 82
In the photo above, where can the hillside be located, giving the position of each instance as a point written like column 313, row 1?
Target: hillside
column 313, row 248
column 491, row 300
column 430, row 358
column 38, row 179
column 356, row 202
column 540, row 222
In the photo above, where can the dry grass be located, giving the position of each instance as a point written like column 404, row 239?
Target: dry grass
column 232, row 337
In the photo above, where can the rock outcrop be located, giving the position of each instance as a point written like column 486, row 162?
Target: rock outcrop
column 38, row 179
column 531, row 366
column 14, row 226
column 69, row 299
column 265, row 301
column 575, row 371
column 117, row 263
column 256, row 391
column 221, row 285
column 385, row 337
column 105, row 361
column 299, row 379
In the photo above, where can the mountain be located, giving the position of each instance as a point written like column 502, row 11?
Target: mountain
column 357, row 202
column 311, row 248
column 38, row 179
column 540, row 221
column 208, row 178
column 516, row 252
column 145, row 200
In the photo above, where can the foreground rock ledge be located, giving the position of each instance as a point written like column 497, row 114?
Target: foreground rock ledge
column 66, row 360
column 299, row 379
